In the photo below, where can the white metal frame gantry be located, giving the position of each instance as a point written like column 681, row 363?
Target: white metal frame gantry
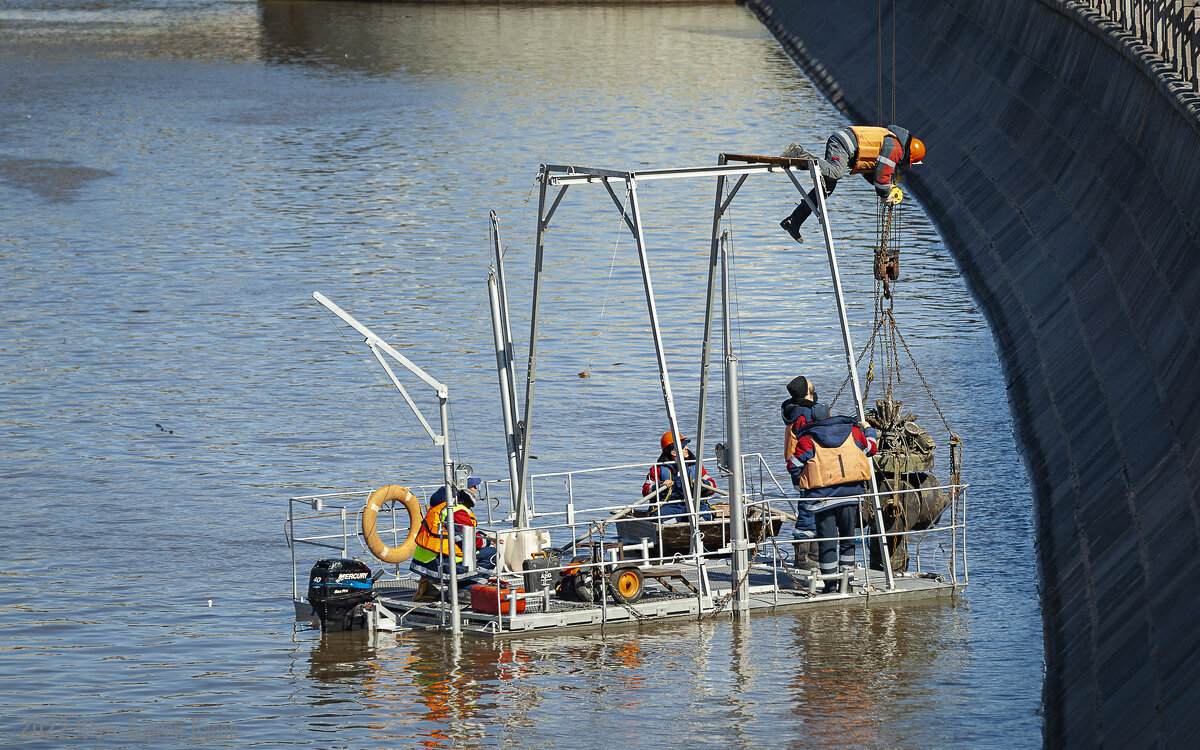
column 729, row 166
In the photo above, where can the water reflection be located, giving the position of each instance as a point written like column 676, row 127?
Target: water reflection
column 342, row 657
column 442, row 41
column 865, row 677
column 51, row 179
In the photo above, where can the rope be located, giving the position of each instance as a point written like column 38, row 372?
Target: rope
column 869, row 346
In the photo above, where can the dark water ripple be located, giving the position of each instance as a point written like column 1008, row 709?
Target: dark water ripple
column 176, row 179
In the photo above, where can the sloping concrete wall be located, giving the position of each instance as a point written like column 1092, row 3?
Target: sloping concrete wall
column 1064, row 172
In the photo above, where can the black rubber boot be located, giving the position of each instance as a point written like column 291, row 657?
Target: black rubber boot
column 791, row 227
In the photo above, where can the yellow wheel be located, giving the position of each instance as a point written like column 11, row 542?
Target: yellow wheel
column 626, row 585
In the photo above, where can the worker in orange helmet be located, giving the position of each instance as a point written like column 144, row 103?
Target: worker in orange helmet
column 879, row 154
column 665, row 473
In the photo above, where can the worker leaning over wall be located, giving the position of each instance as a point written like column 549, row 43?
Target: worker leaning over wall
column 880, row 155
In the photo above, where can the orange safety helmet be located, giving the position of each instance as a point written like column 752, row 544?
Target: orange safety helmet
column 668, row 440
column 916, row 151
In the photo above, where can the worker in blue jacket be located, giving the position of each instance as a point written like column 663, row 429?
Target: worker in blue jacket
column 796, row 412
column 830, row 467
column 665, row 473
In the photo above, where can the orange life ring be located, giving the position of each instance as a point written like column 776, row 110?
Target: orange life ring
column 390, row 493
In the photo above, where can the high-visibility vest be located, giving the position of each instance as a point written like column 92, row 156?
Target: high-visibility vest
column 789, row 442
column 830, row 467
column 870, row 141
column 430, row 537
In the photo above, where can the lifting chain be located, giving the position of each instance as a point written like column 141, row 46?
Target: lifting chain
column 887, row 256
column 633, row 612
column 787, row 568
column 920, row 375
column 956, row 449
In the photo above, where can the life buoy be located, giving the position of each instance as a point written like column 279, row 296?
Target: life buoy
column 390, row 493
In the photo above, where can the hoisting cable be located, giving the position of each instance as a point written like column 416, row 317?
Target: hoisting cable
column 893, row 60
column 879, row 62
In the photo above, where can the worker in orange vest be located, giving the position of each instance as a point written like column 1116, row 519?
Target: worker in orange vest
column 431, row 559
column 878, row 154
column 831, row 467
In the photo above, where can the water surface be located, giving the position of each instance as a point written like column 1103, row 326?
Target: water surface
column 176, row 179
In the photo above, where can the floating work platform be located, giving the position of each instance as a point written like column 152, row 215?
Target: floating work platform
column 626, row 565
column 674, row 586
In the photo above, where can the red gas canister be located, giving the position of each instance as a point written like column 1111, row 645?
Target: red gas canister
column 484, row 599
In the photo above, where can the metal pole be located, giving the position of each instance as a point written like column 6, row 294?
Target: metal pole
column 502, row 372
column 531, row 365
column 505, row 325
column 656, row 332
column 737, row 521
column 706, row 343
column 697, row 544
column 954, row 535
column 344, row 544
column 966, row 575
column 815, row 171
column 292, row 545
column 451, row 496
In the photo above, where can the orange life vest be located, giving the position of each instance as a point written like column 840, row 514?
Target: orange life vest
column 870, row 141
column 830, row 467
column 430, row 536
column 789, row 443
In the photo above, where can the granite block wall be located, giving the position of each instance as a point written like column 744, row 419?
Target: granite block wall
column 1064, row 174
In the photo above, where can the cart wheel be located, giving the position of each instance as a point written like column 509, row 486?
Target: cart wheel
column 626, row 585
column 583, row 586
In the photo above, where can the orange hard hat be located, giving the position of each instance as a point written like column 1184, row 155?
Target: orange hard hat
column 668, row 440
column 916, row 151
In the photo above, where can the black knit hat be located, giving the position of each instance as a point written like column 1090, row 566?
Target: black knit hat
column 798, row 388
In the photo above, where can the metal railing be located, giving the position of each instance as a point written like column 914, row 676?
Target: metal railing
column 333, row 522
column 1170, row 27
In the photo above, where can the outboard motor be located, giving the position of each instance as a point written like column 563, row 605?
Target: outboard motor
column 338, row 589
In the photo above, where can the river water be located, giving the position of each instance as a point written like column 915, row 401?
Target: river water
column 177, row 178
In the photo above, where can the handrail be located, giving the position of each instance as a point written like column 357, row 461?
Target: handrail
column 1170, row 27
column 346, row 508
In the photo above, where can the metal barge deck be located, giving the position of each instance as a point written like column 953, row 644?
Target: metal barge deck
column 764, row 597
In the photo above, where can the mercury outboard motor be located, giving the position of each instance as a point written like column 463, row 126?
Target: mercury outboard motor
column 338, row 590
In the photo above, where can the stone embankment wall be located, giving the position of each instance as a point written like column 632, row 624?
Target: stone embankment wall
column 1063, row 171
